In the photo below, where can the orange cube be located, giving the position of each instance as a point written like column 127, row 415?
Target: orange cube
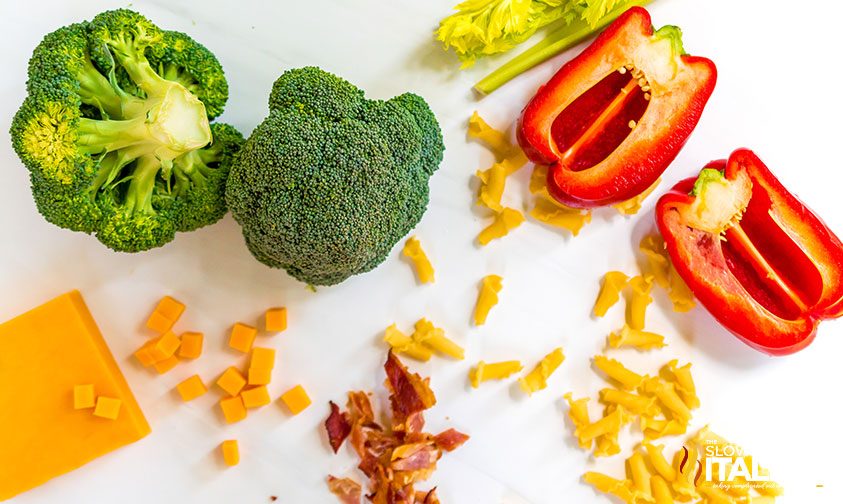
column 165, row 346
column 170, row 308
column 258, row 376
column 256, row 397
column 232, row 381
column 166, row 364
column 84, row 397
column 233, row 409
column 144, row 353
column 159, row 323
column 276, row 319
column 191, row 388
column 296, row 399
column 230, row 452
column 242, row 337
column 191, row 345
column 262, row 358
column 108, row 407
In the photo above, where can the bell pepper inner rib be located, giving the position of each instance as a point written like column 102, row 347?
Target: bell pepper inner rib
column 592, row 126
column 767, row 272
column 615, row 107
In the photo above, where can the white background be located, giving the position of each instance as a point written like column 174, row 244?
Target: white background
column 778, row 93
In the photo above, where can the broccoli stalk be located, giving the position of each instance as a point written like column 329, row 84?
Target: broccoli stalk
column 116, row 131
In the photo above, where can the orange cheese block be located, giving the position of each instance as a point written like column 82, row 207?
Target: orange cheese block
column 45, row 353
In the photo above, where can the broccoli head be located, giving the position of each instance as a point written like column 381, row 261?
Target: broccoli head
column 330, row 181
column 116, row 133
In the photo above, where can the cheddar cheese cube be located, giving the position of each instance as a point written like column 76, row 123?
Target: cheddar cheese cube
column 233, row 409
column 276, row 319
column 108, row 407
column 45, row 353
column 191, row 345
column 170, row 308
column 159, row 323
column 166, row 364
column 165, row 346
column 242, row 337
column 231, row 381
column 144, row 355
column 84, row 397
column 230, row 452
column 296, row 399
column 258, row 376
column 262, row 358
column 191, row 388
column 255, row 397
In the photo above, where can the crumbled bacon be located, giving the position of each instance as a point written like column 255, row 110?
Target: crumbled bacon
column 338, row 426
column 450, row 439
column 397, row 457
column 348, row 490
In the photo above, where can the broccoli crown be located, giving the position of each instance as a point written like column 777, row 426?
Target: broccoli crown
column 116, row 133
column 330, row 181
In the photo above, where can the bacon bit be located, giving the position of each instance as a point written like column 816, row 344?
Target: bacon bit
column 395, row 458
column 348, row 490
column 338, row 426
column 409, row 393
column 429, row 498
column 450, row 440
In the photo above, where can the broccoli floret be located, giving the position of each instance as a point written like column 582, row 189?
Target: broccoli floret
column 116, row 133
column 330, row 181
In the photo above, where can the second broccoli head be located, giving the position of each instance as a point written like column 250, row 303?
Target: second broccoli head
column 330, row 181
column 116, row 131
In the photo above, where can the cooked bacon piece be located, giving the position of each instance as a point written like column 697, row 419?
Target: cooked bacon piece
column 450, row 439
column 394, row 458
column 348, row 490
column 409, row 393
column 338, row 426
column 415, row 457
column 427, row 498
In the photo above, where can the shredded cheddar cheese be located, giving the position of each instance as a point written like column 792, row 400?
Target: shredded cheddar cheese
column 495, row 140
column 633, row 205
column 413, row 251
column 434, row 337
column 490, row 286
column 628, row 380
column 610, row 292
column 639, row 298
column 505, row 221
column 403, row 344
column 493, row 371
column 635, row 338
column 664, row 274
column 554, row 214
column 536, row 379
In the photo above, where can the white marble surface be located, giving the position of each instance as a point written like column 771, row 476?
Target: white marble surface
column 778, row 93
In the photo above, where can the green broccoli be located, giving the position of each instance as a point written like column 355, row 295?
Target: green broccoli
column 330, row 181
column 116, row 133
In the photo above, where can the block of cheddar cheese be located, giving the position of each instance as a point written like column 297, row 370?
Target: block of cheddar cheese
column 44, row 354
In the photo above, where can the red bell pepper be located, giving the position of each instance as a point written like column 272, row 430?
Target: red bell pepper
column 759, row 260
column 612, row 119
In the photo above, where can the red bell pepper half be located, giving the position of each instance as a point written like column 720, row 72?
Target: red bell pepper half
column 760, row 261
column 612, row 119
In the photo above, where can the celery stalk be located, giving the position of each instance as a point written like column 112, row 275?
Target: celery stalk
column 557, row 41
